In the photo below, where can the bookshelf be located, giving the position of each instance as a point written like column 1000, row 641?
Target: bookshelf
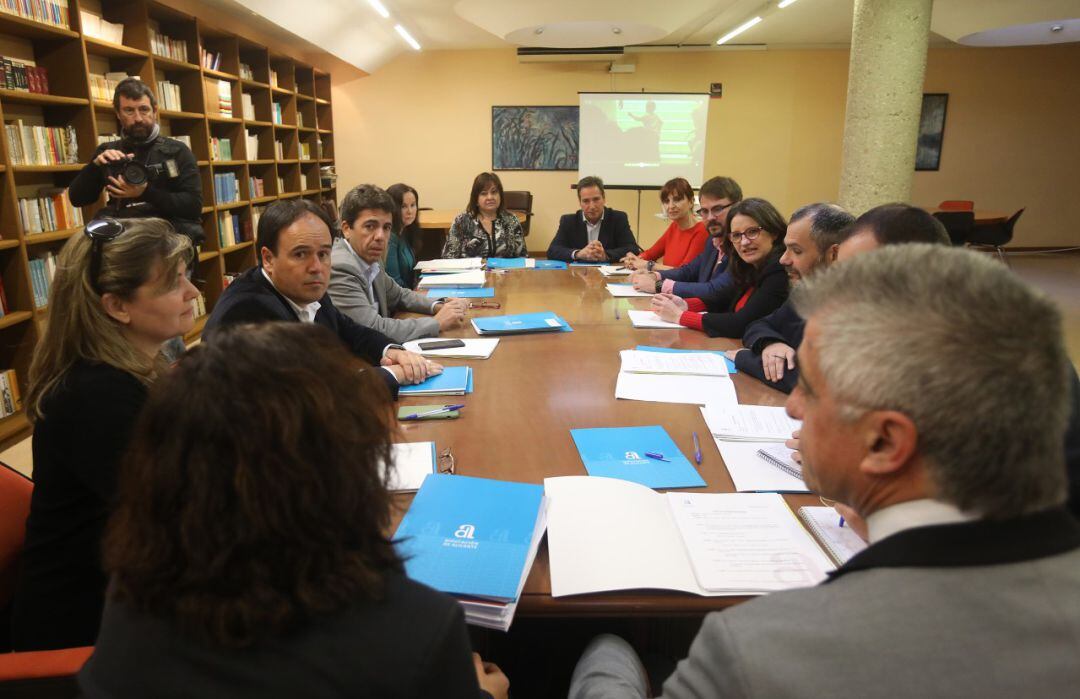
column 279, row 132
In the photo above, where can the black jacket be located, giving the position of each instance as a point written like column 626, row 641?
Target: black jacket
column 770, row 292
column 782, row 325
column 251, row 298
column 178, row 199
column 615, row 236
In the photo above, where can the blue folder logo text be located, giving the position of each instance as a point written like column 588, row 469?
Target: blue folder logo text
column 465, row 531
column 464, row 538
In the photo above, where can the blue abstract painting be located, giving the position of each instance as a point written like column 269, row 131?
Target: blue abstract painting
column 534, row 138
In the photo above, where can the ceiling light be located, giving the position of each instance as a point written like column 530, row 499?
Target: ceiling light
column 616, row 30
column 406, row 36
column 538, row 30
column 1057, row 28
column 785, row 3
column 738, row 30
column 380, row 8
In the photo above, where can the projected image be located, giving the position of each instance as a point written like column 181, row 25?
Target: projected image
column 643, row 139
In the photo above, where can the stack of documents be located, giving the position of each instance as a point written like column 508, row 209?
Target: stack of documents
column 746, row 436
column 453, row 381
column 474, row 278
column 443, row 266
column 615, row 271
column 412, row 463
column 648, row 319
column 670, row 379
column 521, row 323
column 461, row 292
column 671, row 350
column 609, row 534
column 645, row 455
column 475, row 539
column 473, row 349
column 750, row 423
column 626, row 291
column 686, row 364
column 841, row 543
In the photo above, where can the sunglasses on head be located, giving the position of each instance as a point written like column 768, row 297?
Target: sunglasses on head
column 100, row 231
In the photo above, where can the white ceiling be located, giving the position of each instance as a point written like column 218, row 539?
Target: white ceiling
column 353, row 31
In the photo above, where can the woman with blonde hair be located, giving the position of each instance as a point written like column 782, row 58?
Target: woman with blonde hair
column 120, row 292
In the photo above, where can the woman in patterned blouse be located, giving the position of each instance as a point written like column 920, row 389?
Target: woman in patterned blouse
column 486, row 229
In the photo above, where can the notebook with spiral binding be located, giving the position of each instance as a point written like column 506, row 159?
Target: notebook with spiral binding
column 841, row 543
column 780, row 456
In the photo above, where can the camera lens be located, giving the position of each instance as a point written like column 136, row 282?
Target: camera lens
column 134, row 173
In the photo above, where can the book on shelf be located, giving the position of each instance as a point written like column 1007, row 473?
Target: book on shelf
column 98, row 27
column 277, row 113
column 210, row 60
column 54, row 12
column 42, row 270
column 23, row 75
column 257, row 188
column 103, row 87
column 221, row 149
column 51, row 210
column 169, row 96
column 230, row 231
column 218, row 97
column 183, row 138
column 226, row 189
column 41, row 145
column 167, row 47
column 305, row 151
column 246, row 72
column 108, row 138
column 10, row 397
column 279, row 149
column 300, row 119
column 198, row 305
column 252, row 145
column 273, row 78
column 281, row 185
column 248, row 106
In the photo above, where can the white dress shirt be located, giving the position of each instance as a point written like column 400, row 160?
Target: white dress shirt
column 306, row 313
column 914, row 513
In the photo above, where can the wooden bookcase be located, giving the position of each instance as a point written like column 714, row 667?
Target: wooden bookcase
column 71, row 57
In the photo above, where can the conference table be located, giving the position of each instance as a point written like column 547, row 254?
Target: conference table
column 536, row 387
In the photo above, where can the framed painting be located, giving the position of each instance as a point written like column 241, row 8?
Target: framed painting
column 931, row 131
column 534, row 138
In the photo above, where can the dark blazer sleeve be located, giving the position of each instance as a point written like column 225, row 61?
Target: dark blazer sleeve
column 749, row 362
column 448, row 670
column 770, row 294
column 563, row 244
column 782, row 325
column 86, row 188
column 366, row 343
column 182, row 197
column 622, row 238
column 688, row 272
column 1072, row 445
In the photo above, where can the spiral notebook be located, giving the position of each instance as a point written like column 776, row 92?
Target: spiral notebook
column 780, row 456
column 841, row 543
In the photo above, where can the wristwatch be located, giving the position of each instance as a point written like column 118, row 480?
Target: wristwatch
column 650, row 265
column 659, row 285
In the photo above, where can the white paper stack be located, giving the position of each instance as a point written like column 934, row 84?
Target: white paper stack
column 648, row 319
column 449, row 265
column 749, row 471
column 626, row 291
column 473, row 278
column 672, row 388
column 680, row 363
column 473, row 349
column 615, row 271
column 750, row 423
column 412, row 464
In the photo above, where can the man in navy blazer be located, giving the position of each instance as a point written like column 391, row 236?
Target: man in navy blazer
column 290, row 283
column 594, row 234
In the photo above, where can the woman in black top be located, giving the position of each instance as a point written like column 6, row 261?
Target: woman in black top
column 248, row 553
column 754, row 244
column 486, row 229
column 119, row 293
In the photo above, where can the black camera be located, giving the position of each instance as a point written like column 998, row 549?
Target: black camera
column 133, row 172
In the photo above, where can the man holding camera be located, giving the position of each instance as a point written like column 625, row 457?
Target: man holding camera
column 146, row 174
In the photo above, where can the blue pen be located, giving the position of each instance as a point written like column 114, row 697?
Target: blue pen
column 656, row 455
column 841, row 521
column 697, row 449
column 436, row 411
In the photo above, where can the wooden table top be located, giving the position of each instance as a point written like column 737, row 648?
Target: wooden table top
column 440, row 219
column 536, row 388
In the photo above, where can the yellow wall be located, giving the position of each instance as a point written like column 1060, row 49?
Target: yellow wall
column 1010, row 137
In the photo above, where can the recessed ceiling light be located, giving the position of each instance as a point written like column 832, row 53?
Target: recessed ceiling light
column 1057, row 28
column 538, row 30
column 738, row 30
column 406, row 36
column 616, row 30
column 380, row 8
column 785, row 3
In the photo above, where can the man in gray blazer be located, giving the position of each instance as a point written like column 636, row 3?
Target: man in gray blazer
column 360, row 288
column 939, row 417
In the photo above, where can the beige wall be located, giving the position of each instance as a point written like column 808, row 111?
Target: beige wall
column 1010, row 137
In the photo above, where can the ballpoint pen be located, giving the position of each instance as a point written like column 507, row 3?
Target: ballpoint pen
column 841, row 520
column 436, row 411
column 697, row 449
column 656, row 455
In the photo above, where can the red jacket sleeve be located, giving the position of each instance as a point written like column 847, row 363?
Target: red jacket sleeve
column 690, row 319
column 658, row 248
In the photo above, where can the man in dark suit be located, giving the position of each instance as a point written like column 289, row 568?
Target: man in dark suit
column 290, row 282
column 594, row 234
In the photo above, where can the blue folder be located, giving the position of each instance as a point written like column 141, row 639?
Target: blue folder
column 452, row 378
column 619, row 452
column 470, row 536
column 445, row 292
column 520, row 323
column 550, row 264
column 730, row 364
column 589, row 264
column 506, row 263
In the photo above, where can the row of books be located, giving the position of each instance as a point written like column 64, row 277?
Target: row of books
column 97, row 27
column 231, row 231
column 279, row 149
column 247, row 106
column 41, row 145
column 258, row 189
column 210, row 60
column 221, row 149
column 280, row 184
column 305, row 151
column 169, row 96
column 245, row 72
column 26, row 76
column 166, row 46
column 256, row 214
column 42, row 270
column 252, row 145
column 51, row 210
column 103, row 87
column 300, row 119
column 226, row 188
column 219, row 97
column 10, row 397
column 273, row 78
column 277, row 114
column 54, row 12
column 198, row 305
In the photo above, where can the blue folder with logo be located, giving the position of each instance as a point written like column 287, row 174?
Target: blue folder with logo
column 506, row 263
column 521, row 323
column 453, row 381
column 620, row 452
column 730, row 364
column 550, row 264
column 589, row 264
column 449, row 292
column 470, row 536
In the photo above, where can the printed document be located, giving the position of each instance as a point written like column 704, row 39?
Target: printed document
column 690, row 363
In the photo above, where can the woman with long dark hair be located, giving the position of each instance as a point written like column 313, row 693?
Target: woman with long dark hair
column 405, row 238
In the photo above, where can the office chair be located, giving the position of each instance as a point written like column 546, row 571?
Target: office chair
column 958, row 224
column 994, row 235
column 15, row 491
column 957, row 205
column 520, row 201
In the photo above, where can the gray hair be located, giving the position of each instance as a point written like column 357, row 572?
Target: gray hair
column 972, row 355
column 829, row 224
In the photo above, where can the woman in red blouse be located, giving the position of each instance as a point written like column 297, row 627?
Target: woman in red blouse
column 683, row 240
column 754, row 243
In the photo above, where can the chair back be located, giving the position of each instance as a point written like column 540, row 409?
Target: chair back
column 995, row 234
column 958, row 224
column 957, row 205
column 46, row 674
column 15, row 491
column 520, row 200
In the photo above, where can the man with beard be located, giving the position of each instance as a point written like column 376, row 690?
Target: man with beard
column 172, row 191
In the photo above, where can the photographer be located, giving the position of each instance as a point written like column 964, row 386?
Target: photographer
column 146, row 174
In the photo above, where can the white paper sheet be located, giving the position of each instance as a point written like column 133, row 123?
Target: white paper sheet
column 449, row 264
column 684, row 363
column 746, row 542
column 473, row 349
column 413, row 461
column 614, row 271
column 648, row 319
column 753, row 423
column 473, row 278
column 751, row 473
column 626, row 291
column 669, row 388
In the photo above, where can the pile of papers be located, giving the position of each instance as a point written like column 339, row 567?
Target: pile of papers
column 475, row 539
column 675, row 377
column 750, row 439
column 615, row 271
column 473, row 349
column 648, row 319
column 474, row 278
column 683, row 363
column 626, row 291
column 446, row 265
column 412, row 463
